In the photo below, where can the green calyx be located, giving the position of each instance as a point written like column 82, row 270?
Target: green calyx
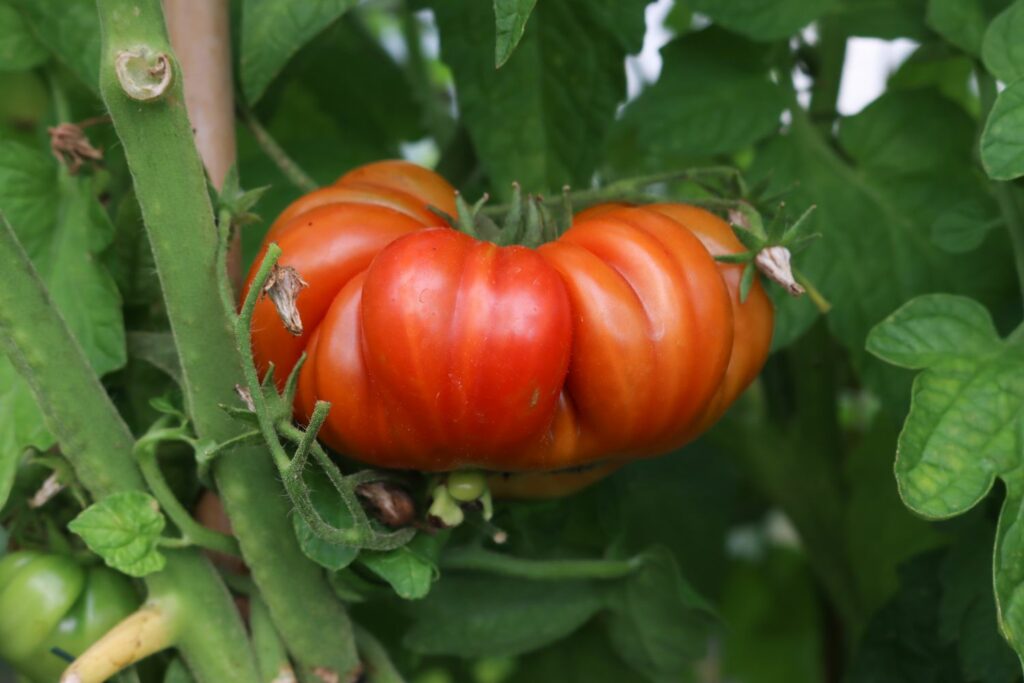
column 528, row 221
column 770, row 249
column 456, row 492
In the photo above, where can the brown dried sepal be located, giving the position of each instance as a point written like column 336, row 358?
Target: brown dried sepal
column 283, row 287
column 775, row 263
column 72, row 149
column 391, row 504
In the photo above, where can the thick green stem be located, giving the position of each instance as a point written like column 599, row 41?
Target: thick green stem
column 379, row 667
column 98, row 444
column 171, row 189
column 828, row 72
column 479, row 559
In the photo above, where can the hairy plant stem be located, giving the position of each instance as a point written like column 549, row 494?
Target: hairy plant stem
column 1009, row 196
column 480, row 559
column 172, row 194
column 379, row 667
column 98, row 444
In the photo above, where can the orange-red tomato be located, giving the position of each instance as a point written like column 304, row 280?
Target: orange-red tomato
column 621, row 339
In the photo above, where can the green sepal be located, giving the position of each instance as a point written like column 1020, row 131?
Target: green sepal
column 747, row 281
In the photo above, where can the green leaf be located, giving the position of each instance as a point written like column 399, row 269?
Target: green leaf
column 490, row 616
column 657, row 623
column 963, row 228
column 1002, row 141
column 63, row 228
column 934, row 328
column 961, row 430
column 708, row 71
column 938, row 65
column 124, row 529
column 411, row 569
column 889, row 19
column 542, row 118
column 961, row 22
column 19, row 50
column 510, row 18
column 875, row 214
column 1003, row 45
column 763, row 20
column 70, row 29
column 157, row 349
column 273, row 31
column 333, row 556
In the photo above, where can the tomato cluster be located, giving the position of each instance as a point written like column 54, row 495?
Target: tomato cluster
column 51, row 607
column 621, row 339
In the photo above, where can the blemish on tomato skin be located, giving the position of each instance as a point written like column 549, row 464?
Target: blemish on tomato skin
column 534, row 397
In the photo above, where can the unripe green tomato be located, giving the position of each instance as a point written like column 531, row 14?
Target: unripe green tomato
column 466, row 486
column 51, row 601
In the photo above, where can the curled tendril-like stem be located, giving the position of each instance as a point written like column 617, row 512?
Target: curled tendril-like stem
column 273, row 414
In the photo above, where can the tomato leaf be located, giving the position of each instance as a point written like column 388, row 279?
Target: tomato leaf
column 273, row 31
column 1002, row 141
column 541, row 119
column 965, row 427
column 657, row 623
column 586, row 655
column 963, row 228
column 124, row 529
column 889, row 19
column 411, row 569
column 1002, row 48
column 961, row 22
column 63, row 229
column 763, row 20
column 716, row 70
column 510, row 18
column 491, row 616
column 19, row 49
column 70, row 29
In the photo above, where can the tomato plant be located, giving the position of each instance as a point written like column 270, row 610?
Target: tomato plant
column 490, row 342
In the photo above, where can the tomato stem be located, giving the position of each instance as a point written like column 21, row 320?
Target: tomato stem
column 289, row 168
column 481, row 559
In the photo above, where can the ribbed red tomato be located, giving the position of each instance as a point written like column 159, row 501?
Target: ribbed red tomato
column 621, row 339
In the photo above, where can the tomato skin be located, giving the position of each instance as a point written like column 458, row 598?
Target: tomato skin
column 622, row 339
column 50, row 601
column 431, row 362
column 403, row 176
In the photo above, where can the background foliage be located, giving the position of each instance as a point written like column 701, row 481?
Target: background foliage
column 777, row 548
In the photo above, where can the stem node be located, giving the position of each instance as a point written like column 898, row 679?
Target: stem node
column 144, row 74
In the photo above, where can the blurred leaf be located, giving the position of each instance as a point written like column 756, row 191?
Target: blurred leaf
column 769, row 607
column 888, row 19
column 491, row 616
column 1002, row 141
column 71, row 31
column 902, row 643
column 19, row 49
column 763, row 20
column 124, row 529
column 963, row 228
column 273, row 31
column 63, row 229
column 962, row 22
column 510, row 17
column 968, row 611
column 939, row 66
column 541, row 119
column 709, row 71
column 411, row 569
column 157, row 349
column 657, row 623
column 880, row 533
column 1003, row 45
column 584, row 656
